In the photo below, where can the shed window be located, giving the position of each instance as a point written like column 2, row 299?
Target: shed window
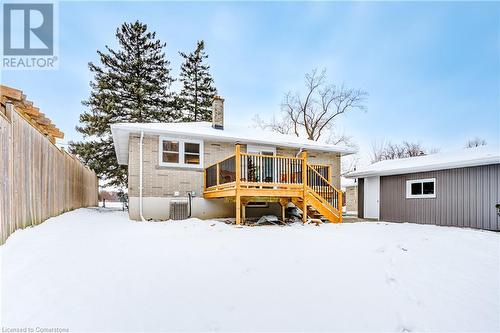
column 181, row 152
column 421, row 188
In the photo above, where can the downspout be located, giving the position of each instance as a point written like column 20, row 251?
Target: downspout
column 140, row 177
column 190, row 195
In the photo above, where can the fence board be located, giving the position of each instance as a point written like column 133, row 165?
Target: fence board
column 38, row 180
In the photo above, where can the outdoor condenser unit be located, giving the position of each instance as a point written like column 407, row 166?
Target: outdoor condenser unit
column 179, row 209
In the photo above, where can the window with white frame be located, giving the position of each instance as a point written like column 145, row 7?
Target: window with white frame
column 421, row 188
column 181, row 152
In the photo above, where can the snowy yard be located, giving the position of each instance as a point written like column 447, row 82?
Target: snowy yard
column 89, row 270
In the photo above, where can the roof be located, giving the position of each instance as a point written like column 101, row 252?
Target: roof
column 465, row 157
column 347, row 182
column 204, row 130
column 30, row 112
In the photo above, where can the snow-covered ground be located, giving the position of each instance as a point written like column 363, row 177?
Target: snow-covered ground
column 89, row 270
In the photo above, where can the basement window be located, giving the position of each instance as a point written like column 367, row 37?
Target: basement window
column 257, row 205
column 421, row 188
column 176, row 152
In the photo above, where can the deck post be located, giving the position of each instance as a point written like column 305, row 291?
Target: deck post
column 283, row 211
column 283, row 203
column 217, row 168
column 341, row 206
column 237, row 182
column 243, row 212
column 304, row 186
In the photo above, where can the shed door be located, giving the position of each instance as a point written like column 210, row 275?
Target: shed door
column 371, row 197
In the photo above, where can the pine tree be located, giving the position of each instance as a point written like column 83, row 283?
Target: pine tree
column 195, row 98
column 130, row 85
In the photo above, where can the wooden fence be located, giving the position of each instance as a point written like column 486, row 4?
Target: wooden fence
column 37, row 179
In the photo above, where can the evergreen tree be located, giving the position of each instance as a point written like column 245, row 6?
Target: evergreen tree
column 130, row 85
column 197, row 91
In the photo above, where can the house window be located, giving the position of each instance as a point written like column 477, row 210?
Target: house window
column 192, row 153
column 181, row 152
column 421, row 188
column 170, row 151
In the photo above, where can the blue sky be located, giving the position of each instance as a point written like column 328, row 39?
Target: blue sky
column 432, row 69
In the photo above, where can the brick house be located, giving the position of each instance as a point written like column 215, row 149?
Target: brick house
column 210, row 170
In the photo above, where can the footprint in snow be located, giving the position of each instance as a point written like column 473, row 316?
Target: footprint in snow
column 404, row 329
column 402, row 248
column 380, row 250
column 389, row 278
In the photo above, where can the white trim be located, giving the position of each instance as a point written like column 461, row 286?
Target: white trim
column 181, row 163
column 371, row 199
column 409, row 182
column 258, row 149
column 204, row 131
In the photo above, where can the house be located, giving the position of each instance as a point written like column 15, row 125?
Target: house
column 459, row 188
column 350, row 189
column 210, row 170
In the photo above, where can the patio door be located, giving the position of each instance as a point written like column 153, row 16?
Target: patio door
column 267, row 168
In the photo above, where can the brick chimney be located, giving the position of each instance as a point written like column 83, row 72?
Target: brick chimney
column 218, row 113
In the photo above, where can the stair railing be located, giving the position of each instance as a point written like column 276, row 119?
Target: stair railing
column 321, row 186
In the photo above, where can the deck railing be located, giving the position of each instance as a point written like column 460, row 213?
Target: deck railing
column 221, row 173
column 245, row 175
column 271, row 169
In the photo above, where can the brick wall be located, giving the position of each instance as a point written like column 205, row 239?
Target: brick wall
column 351, row 199
column 162, row 181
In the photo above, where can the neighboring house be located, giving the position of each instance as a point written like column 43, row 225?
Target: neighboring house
column 350, row 189
column 225, row 169
column 458, row 188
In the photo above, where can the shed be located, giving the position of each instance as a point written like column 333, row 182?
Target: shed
column 457, row 188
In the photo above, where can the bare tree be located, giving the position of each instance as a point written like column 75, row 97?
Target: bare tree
column 276, row 125
column 313, row 113
column 476, row 142
column 390, row 151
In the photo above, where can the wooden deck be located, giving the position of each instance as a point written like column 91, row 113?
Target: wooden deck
column 248, row 178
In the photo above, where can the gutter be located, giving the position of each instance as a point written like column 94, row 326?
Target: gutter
column 141, row 177
column 425, row 168
column 313, row 146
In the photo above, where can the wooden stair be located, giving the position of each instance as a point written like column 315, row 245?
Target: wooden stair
column 323, row 200
column 318, row 210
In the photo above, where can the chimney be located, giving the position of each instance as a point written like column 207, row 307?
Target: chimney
column 218, row 113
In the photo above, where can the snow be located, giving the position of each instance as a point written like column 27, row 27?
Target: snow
column 466, row 157
column 346, row 182
column 95, row 270
column 204, row 130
